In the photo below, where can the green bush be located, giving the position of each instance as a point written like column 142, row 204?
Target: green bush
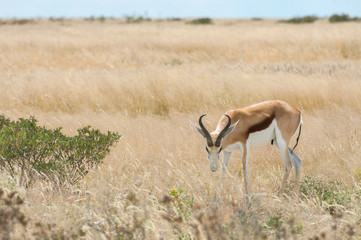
column 182, row 202
column 4, row 121
column 306, row 19
column 342, row 18
column 200, row 21
column 29, row 152
column 332, row 192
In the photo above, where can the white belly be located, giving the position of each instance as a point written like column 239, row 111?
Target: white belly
column 263, row 137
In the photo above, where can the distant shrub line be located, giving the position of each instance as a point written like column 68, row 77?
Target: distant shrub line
column 310, row 19
column 29, row 152
column 140, row 19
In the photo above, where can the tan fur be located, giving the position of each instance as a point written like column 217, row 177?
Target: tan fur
column 258, row 117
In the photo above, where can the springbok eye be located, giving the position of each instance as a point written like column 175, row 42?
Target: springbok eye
column 207, row 150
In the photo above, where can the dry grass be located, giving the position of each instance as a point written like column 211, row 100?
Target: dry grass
column 147, row 81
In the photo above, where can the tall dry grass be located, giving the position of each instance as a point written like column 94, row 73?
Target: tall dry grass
column 147, row 81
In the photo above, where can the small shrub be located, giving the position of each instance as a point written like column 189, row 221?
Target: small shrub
column 4, row 121
column 101, row 19
column 256, row 19
column 306, row 19
column 295, row 228
column 331, row 192
column 174, row 19
column 174, row 62
column 200, row 21
column 357, row 174
column 53, row 19
column 342, row 18
column 182, row 202
column 91, row 18
column 136, row 19
column 273, row 223
column 298, row 229
column 29, row 152
column 288, row 230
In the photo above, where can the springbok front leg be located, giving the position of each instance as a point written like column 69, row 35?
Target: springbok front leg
column 245, row 155
column 225, row 161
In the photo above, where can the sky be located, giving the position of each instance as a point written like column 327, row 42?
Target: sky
column 177, row 8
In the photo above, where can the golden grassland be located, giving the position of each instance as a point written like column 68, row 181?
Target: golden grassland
column 147, row 81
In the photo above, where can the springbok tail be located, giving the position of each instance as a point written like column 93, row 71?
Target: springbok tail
column 299, row 134
column 295, row 159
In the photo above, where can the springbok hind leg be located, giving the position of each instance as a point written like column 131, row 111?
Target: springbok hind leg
column 297, row 163
column 286, row 173
column 282, row 146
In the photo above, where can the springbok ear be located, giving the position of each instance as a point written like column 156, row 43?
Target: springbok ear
column 230, row 129
column 199, row 130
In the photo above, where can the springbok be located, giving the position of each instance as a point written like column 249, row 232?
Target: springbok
column 267, row 122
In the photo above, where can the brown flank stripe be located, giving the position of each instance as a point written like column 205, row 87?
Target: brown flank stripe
column 262, row 125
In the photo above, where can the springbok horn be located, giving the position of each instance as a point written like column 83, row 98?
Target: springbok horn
column 221, row 134
column 205, row 131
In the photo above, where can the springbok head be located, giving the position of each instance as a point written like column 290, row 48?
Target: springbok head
column 214, row 141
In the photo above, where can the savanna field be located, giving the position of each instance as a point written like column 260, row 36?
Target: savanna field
column 147, row 81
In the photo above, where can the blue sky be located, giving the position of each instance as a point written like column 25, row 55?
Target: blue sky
column 177, row 8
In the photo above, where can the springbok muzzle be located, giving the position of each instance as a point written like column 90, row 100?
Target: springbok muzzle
column 213, row 162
